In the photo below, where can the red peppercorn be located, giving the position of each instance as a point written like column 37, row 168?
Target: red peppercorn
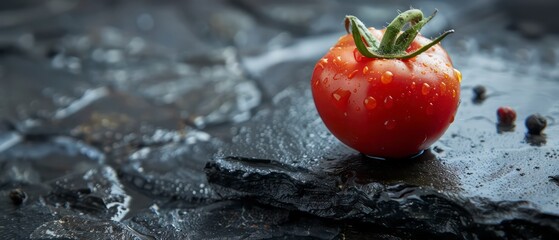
column 506, row 116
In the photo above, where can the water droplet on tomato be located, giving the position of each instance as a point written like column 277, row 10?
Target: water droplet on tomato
column 370, row 103
column 370, row 79
column 388, row 102
column 352, row 74
column 453, row 93
column 390, row 124
column 337, row 76
column 386, row 77
column 338, row 61
column 413, row 85
column 324, row 60
column 341, row 98
column 443, row 88
column 316, row 82
column 358, row 56
column 425, row 89
column 430, row 109
column 458, row 75
column 365, row 70
column 325, row 80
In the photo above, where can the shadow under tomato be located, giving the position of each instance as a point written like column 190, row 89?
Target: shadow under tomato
column 424, row 170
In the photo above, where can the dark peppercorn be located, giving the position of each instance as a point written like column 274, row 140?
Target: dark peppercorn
column 18, row 196
column 535, row 124
column 479, row 92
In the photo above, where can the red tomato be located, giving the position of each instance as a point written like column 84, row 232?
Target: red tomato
column 392, row 108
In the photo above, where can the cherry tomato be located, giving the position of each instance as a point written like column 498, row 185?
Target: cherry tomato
column 393, row 105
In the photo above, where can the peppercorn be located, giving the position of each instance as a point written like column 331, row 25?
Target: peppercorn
column 506, row 116
column 535, row 124
column 479, row 94
column 18, row 196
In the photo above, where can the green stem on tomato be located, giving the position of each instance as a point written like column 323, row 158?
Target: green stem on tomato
column 394, row 42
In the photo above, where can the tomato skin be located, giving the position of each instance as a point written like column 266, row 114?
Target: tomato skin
column 393, row 116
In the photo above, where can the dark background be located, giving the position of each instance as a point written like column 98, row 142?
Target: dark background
column 110, row 111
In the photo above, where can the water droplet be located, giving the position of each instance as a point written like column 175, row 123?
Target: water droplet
column 386, row 77
column 388, row 102
column 365, row 70
column 341, row 98
column 425, row 89
column 423, row 72
column 370, row 103
column 413, row 85
column 446, row 76
column 453, row 93
column 390, row 124
column 337, row 76
column 338, row 61
column 370, row 79
column 352, row 74
column 429, row 109
column 458, row 75
column 316, row 82
column 443, row 88
column 358, row 56
column 324, row 60
column 325, row 80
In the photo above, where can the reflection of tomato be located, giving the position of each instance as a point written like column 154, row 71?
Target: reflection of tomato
column 386, row 106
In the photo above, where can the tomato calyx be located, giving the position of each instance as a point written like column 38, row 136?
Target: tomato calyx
column 394, row 42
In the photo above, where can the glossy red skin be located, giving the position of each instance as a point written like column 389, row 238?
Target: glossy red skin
column 415, row 117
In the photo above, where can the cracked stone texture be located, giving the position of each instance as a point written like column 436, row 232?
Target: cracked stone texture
column 164, row 119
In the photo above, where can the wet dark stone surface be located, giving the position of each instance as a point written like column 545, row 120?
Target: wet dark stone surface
column 442, row 194
column 231, row 220
column 172, row 120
